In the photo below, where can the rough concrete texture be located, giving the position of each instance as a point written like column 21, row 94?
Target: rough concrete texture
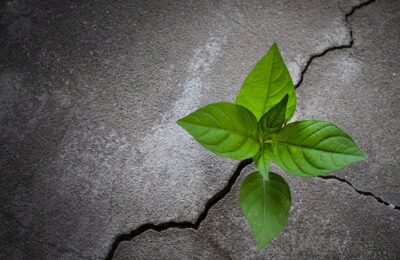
column 359, row 88
column 89, row 96
column 328, row 220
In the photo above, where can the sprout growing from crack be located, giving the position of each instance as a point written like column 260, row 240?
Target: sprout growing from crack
column 256, row 126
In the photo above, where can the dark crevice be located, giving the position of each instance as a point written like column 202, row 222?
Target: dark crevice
column 364, row 193
column 343, row 46
column 223, row 192
column 184, row 224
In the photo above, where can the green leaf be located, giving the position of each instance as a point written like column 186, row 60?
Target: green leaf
column 266, row 85
column 224, row 128
column 311, row 148
column 263, row 159
column 266, row 205
column 273, row 120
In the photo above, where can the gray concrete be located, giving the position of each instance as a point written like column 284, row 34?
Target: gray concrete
column 328, row 220
column 359, row 88
column 89, row 96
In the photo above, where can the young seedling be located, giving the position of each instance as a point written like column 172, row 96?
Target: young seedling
column 256, row 127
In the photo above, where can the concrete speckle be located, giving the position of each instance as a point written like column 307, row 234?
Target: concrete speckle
column 359, row 92
column 328, row 220
column 89, row 96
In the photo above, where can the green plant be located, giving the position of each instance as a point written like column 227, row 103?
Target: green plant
column 256, row 127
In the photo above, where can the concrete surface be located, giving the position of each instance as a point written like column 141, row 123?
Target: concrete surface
column 360, row 90
column 89, row 96
column 328, row 220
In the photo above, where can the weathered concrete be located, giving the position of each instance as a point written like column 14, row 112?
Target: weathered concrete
column 89, row 95
column 328, row 220
column 359, row 88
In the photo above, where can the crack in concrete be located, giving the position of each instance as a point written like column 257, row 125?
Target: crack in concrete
column 345, row 46
column 184, row 224
column 339, row 47
column 364, row 193
column 232, row 180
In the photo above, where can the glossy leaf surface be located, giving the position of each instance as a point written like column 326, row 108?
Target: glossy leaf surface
column 265, row 204
column 224, row 128
column 263, row 160
column 312, row 147
column 265, row 86
column 274, row 119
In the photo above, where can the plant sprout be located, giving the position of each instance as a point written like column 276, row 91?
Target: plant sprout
column 256, row 126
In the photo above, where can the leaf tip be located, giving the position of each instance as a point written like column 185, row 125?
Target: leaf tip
column 364, row 156
column 261, row 246
column 180, row 122
column 285, row 98
column 275, row 48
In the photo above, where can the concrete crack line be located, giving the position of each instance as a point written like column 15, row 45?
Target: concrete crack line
column 364, row 193
column 184, row 224
column 343, row 46
column 225, row 190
